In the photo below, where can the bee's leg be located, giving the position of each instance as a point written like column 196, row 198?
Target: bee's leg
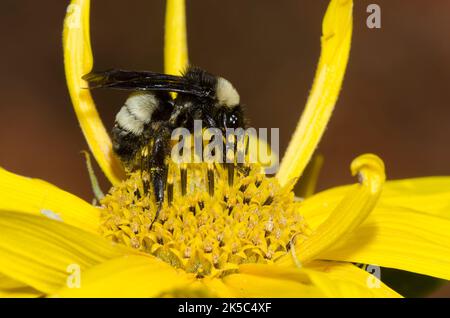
column 209, row 121
column 158, row 167
column 244, row 167
column 229, row 156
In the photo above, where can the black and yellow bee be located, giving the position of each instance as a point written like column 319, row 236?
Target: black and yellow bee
column 149, row 115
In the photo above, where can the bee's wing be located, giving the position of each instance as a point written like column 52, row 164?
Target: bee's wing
column 144, row 81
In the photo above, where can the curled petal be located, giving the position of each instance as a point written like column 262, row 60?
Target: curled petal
column 348, row 214
column 78, row 62
column 175, row 42
column 399, row 238
column 336, row 39
column 408, row 229
column 430, row 195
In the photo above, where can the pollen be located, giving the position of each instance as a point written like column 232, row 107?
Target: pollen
column 212, row 225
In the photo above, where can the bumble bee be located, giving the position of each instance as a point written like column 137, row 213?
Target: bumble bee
column 149, row 115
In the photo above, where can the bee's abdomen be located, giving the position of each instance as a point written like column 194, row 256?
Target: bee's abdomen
column 125, row 144
column 137, row 112
column 131, row 121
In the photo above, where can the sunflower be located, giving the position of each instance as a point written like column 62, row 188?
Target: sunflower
column 250, row 238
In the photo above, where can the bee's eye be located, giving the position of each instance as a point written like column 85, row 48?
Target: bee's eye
column 233, row 119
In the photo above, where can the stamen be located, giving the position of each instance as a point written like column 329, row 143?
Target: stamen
column 230, row 168
column 269, row 200
column 210, row 173
column 243, row 169
column 243, row 188
column 183, row 177
column 169, row 184
column 169, row 193
column 146, row 185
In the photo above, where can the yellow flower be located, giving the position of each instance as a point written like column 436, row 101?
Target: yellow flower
column 249, row 239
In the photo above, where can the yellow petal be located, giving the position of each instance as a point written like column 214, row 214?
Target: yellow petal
column 333, row 279
column 317, row 208
column 175, row 42
column 399, row 238
column 38, row 251
column 336, row 39
column 255, row 286
column 350, row 281
column 78, row 62
column 38, row 197
column 9, row 283
column 349, row 213
column 129, row 276
column 25, row 292
column 429, row 195
column 306, row 186
column 219, row 289
column 200, row 288
column 408, row 229
column 10, row 288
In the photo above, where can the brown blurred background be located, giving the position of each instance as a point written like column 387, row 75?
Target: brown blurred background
column 395, row 100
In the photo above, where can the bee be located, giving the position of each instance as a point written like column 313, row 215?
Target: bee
column 150, row 114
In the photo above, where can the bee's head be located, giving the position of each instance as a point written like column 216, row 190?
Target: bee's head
column 231, row 117
column 230, row 114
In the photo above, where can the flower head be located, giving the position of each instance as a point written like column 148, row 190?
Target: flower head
column 249, row 237
column 252, row 221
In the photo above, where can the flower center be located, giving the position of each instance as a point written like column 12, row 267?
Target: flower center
column 251, row 219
